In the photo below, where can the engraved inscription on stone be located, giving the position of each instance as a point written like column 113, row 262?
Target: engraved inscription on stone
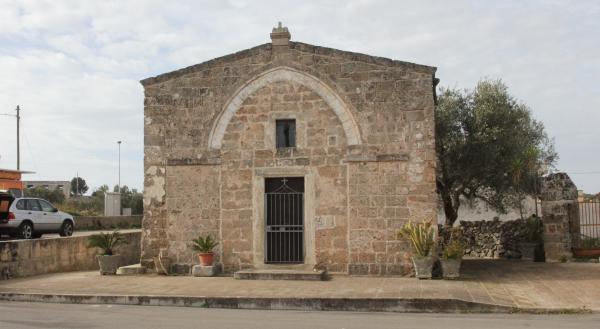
column 323, row 222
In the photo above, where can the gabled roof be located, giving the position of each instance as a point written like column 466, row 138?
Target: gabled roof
column 299, row 46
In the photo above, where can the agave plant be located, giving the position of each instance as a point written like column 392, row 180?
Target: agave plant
column 204, row 244
column 421, row 236
column 106, row 241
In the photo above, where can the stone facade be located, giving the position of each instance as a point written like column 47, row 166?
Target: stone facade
column 364, row 146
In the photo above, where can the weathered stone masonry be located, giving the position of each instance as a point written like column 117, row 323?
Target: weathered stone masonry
column 365, row 147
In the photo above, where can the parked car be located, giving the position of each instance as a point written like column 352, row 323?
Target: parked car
column 29, row 218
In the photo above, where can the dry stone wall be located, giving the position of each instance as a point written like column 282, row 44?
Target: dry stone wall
column 491, row 239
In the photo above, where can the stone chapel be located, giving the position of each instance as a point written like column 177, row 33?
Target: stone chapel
column 292, row 156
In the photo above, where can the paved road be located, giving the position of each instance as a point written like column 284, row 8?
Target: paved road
column 76, row 233
column 38, row 315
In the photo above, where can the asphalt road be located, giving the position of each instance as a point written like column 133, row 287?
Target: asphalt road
column 40, row 315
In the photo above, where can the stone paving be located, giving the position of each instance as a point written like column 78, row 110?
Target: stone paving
column 505, row 283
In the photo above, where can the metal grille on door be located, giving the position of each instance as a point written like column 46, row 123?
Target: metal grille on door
column 284, row 216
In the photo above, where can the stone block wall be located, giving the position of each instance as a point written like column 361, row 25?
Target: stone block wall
column 365, row 145
column 20, row 258
column 107, row 222
column 560, row 213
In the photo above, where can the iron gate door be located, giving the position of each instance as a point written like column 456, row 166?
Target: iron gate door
column 284, row 219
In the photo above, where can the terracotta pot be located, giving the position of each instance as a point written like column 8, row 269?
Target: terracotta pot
column 206, row 258
column 109, row 264
column 586, row 252
column 527, row 250
column 423, row 266
column 451, row 268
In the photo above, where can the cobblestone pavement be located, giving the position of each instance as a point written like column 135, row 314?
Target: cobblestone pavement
column 505, row 283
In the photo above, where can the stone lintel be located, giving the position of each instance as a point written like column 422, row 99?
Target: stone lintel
column 194, row 162
column 377, row 157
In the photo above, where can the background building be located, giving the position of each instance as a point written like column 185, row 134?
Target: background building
column 63, row 186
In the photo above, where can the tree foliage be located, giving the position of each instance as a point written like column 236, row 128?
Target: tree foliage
column 131, row 199
column 488, row 147
column 78, row 186
column 54, row 196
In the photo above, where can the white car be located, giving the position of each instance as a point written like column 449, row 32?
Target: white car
column 29, row 218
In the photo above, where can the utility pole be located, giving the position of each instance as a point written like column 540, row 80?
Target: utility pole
column 119, row 183
column 18, row 141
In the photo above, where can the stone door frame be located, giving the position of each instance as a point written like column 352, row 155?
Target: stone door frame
column 258, row 209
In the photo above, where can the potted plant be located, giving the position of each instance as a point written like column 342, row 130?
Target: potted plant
column 204, row 246
column 588, row 247
column 452, row 257
column 107, row 260
column 421, row 237
column 530, row 229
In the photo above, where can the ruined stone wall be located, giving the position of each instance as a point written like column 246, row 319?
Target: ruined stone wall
column 560, row 215
column 370, row 173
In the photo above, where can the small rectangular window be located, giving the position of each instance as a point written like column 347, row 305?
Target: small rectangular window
column 286, row 133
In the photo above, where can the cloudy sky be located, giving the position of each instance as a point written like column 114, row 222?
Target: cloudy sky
column 74, row 66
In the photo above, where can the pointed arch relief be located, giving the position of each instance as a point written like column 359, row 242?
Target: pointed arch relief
column 278, row 74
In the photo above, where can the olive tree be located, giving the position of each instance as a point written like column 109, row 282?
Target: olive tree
column 488, row 148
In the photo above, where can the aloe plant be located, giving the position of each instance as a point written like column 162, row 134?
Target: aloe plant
column 204, row 244
column 421, row 236
column 106, row 241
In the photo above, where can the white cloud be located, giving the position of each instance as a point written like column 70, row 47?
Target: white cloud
column 74, row 66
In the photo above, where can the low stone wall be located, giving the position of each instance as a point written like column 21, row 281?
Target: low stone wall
column 492, row 239
column 19, row 258
column 107, row 222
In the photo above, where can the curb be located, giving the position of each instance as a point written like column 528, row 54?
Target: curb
column 416, row 305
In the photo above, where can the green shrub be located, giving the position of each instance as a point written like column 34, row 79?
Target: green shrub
column 455, row 249
column 589, row 242
column 531, row 229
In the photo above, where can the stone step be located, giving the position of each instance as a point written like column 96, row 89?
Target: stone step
column 131, row 269
column 280, row 275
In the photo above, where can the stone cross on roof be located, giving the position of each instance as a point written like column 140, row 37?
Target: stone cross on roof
column 280, row 36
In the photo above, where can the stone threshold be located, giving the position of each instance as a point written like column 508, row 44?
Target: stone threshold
column 280, row 274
